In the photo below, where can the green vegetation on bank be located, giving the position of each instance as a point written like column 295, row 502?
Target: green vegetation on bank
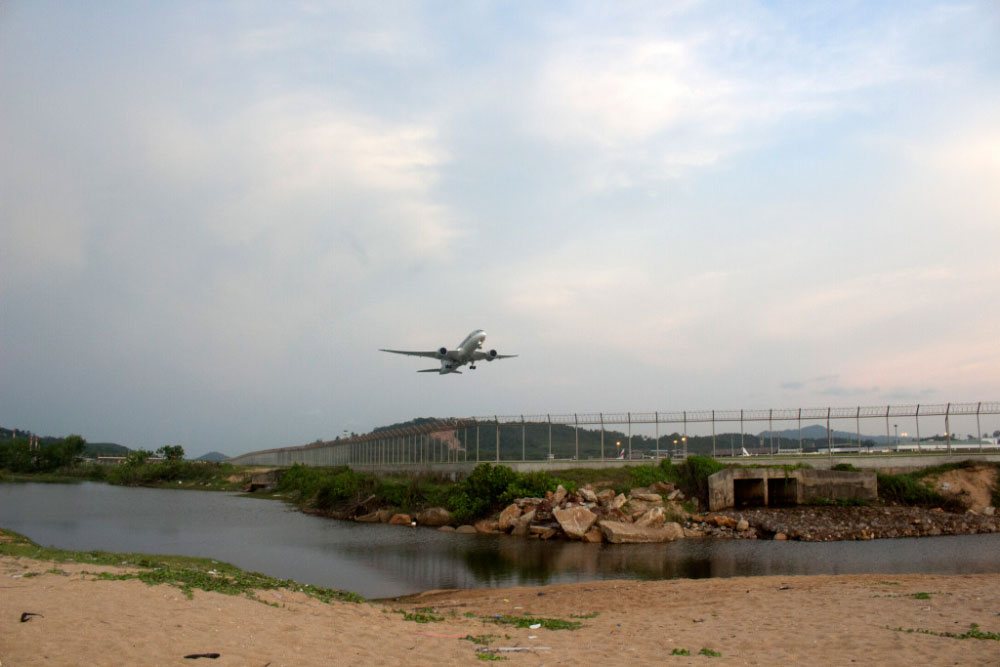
column 487, row 489
column 914, row 488
column 182, row 572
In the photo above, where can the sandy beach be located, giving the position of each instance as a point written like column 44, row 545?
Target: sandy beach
column 822, row 620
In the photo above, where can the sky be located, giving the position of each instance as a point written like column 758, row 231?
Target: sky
column 213, row 215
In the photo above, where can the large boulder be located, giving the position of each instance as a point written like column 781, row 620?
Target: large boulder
column 661, row 487
column 487, row 526
column 558, row 496
column 647, row 497
column 655, row 516
column 605, row 496
column 400, row 520
column 466, row 529
column 593, row 535
column 622, row 532
column 378, row 516
column 434, row 517
column 522, row 523
column 618, row 501
column 508, row 516
column 588, row 494
column 575, row 521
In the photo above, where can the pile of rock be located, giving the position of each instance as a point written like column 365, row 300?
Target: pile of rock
column 824, row 524
column 595, row 514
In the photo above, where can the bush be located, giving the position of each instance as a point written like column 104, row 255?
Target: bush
column 908, row 489
column 693, row 475
column 845, row 467
column 481, row 492
column 325, row 488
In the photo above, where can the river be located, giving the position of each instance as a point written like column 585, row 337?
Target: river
column 384, row 561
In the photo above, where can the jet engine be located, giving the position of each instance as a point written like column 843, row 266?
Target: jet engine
column 493, row 355
column 442, row 352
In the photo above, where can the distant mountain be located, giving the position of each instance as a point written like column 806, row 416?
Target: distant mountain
column 818, row 432
column 213, row 457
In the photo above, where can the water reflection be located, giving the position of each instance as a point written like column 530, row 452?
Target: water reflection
column 382, row 561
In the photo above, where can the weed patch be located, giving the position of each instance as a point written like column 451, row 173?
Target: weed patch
column 972, row 633
column 421, row 615
column 528, row 621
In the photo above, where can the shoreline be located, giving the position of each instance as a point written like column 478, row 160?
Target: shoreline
column 826, row 619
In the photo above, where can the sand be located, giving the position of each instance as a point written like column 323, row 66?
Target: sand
column 815, row 620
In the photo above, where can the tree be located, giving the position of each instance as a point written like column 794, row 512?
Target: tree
column 74, row 446
column 137, row 457
column 171, row 452
column 996, row 434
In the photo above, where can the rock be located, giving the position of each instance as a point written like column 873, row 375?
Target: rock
column 543, row 511
column 661, row 487
column 636, row 508
column 593, row 535
column 508, row 517
column 447, row 529
column 654, row 516
column 575, row 521
column 676, row 494
column 647, row 497
column 543, row 532
column 434, row 516
column 723, row 521
column 618, row 501
column 621, row 532
column 559, row 496
column 522, row 523
column 371, row 517
column 742, row 525
column 466, row 530
column 989, row 511
column 604, row 496
column 588, row 495
column 487, row 526
column 693, row 532
column 780, row 537
column 400, row 520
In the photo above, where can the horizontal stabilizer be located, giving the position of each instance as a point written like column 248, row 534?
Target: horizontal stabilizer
column 430, row 370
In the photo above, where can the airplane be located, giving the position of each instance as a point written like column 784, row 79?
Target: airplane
column 467, row 352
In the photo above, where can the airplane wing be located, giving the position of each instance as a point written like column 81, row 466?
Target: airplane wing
column 433, row 354
column 479, row 355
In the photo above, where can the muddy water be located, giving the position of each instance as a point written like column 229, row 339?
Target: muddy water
column 383, row 561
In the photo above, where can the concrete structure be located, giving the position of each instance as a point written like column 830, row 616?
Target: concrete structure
column 773, row 487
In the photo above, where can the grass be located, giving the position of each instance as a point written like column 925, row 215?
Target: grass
column 921, row 596
column 182, row 572
column 972, row 633
column 680, row 651
column 481, row 640
column 528, row 621
column 710, row 653
column 421, row 615
column 490, row 657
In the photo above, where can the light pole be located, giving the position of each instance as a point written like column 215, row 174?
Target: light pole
column 896, row 428
column 684, row 439
column 675, row 448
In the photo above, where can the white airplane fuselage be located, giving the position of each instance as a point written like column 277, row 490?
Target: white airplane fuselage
column 469, row 351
